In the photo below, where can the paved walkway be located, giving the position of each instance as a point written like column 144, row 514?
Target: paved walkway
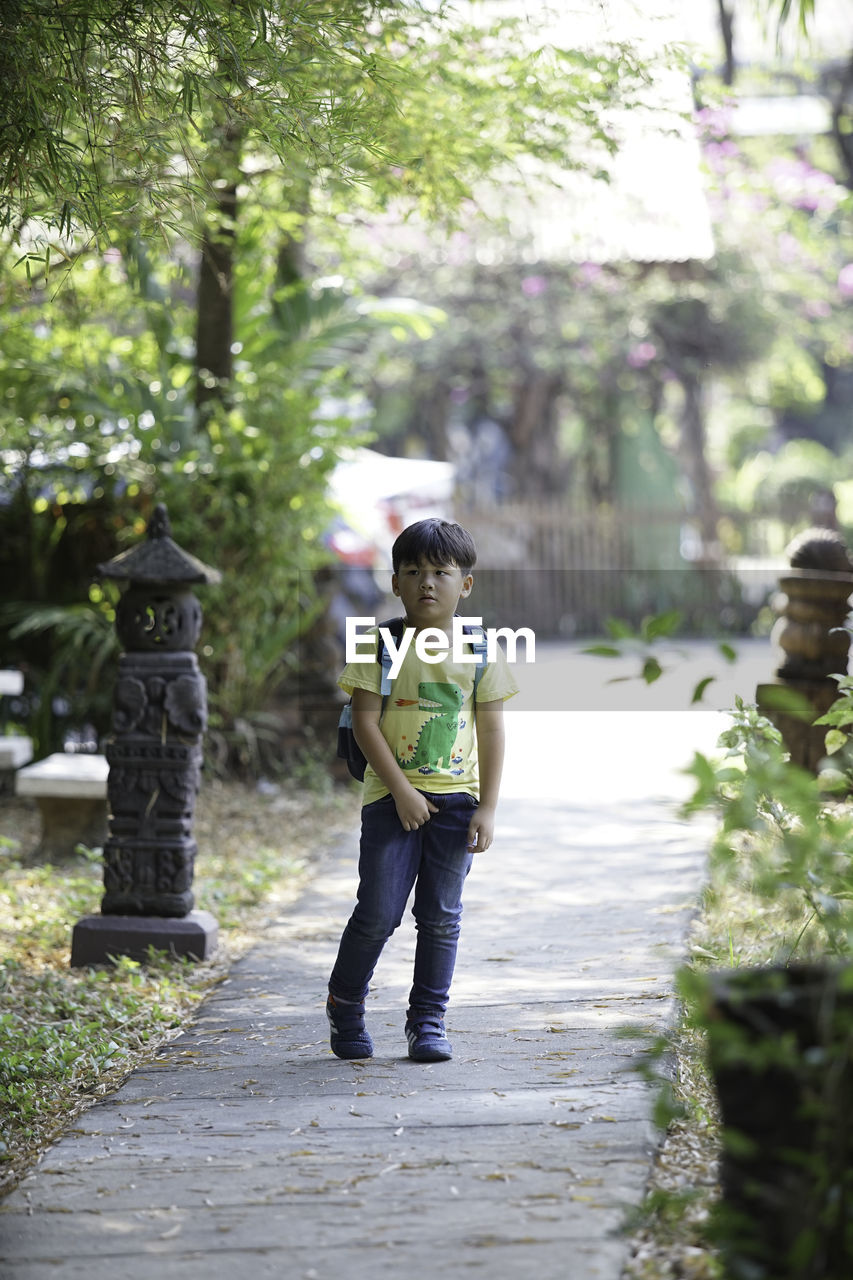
column 248, row 1145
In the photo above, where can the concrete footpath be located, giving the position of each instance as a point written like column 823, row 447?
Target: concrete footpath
column 248, row 1145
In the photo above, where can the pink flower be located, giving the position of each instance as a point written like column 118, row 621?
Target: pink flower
column 532, row 286
column 641, row 355
column 715, row 121
column 803, row 186
column 845, row 281
column 589, row 272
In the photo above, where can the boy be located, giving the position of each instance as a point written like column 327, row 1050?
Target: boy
column 428, row 808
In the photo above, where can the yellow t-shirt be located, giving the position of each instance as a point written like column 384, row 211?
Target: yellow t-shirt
column 428, row 721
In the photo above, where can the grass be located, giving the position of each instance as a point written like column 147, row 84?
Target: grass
column 67, row 1037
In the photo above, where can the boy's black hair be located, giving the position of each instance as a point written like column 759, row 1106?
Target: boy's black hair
column 439, row 541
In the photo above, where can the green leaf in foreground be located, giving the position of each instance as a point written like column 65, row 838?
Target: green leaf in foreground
column 839, row 714
column 619, row 630
column 789, row 702
column 699, row 691
column 603, row 651
column 652, row 670
column 662, row 624
column 834, row 741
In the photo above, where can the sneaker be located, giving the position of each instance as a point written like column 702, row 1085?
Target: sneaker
column 348, row 1037
column 428, row 1041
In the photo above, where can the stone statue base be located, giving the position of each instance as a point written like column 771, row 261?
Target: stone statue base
column 803, row 740
column 97, row 939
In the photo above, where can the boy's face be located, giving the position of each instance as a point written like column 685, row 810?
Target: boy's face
column 431, row 592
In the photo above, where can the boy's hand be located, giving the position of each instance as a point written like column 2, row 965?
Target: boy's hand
column 413, row 809
column 481, row 830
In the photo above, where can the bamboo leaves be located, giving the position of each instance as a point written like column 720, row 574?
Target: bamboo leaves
column 109, row 104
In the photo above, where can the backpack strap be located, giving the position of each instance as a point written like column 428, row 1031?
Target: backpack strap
column 478, row 646
column 396, row 626
column 348, row 748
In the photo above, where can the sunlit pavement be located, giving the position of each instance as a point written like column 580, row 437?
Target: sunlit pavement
column 584, row 727
column 247, row 1145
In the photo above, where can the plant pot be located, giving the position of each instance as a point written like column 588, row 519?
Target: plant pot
column 781, row 1054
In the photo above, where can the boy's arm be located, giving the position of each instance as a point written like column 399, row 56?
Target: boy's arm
column 413, row 809
column 489, row 718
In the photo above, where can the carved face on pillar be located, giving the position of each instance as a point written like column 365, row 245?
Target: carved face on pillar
column 158, row 617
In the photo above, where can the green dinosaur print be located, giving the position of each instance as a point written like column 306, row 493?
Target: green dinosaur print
column 436, row 736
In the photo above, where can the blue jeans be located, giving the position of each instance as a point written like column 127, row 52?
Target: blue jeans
column 435, row 860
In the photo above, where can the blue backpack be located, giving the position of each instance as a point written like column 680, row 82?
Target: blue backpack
column 348, row 748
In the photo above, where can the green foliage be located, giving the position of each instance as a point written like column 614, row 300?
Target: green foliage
column 839, row 746
column 559, row 338
column 783, row 836
column 720, row 316
column 803, row 10
column 780, row 835
column 110, row 106
column 783, row 480
column 588, row 352
column 98, row 418
column 101, row 390
column 107, row 101
column 594, row 355
column 82, row 659
column 62, row 1036
column 65, row 1036
column 794, row 379
column 782, row 207
column 643, row 647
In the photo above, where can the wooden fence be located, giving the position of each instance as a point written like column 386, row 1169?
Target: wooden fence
column 564, row 571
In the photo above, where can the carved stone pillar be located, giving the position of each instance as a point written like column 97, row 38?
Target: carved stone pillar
column 159, row 713
column 813, row 607
column 154, row 757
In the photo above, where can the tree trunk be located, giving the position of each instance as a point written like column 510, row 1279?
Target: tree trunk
column 695, row 463
column 600, row 447
column 215, row 294
column 538, row 469
column 727, row 32
column 842, row 123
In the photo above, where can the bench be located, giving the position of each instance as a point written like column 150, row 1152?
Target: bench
column 11, row 683
column 71, row 793
column 15, row 749
column 14, row 752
